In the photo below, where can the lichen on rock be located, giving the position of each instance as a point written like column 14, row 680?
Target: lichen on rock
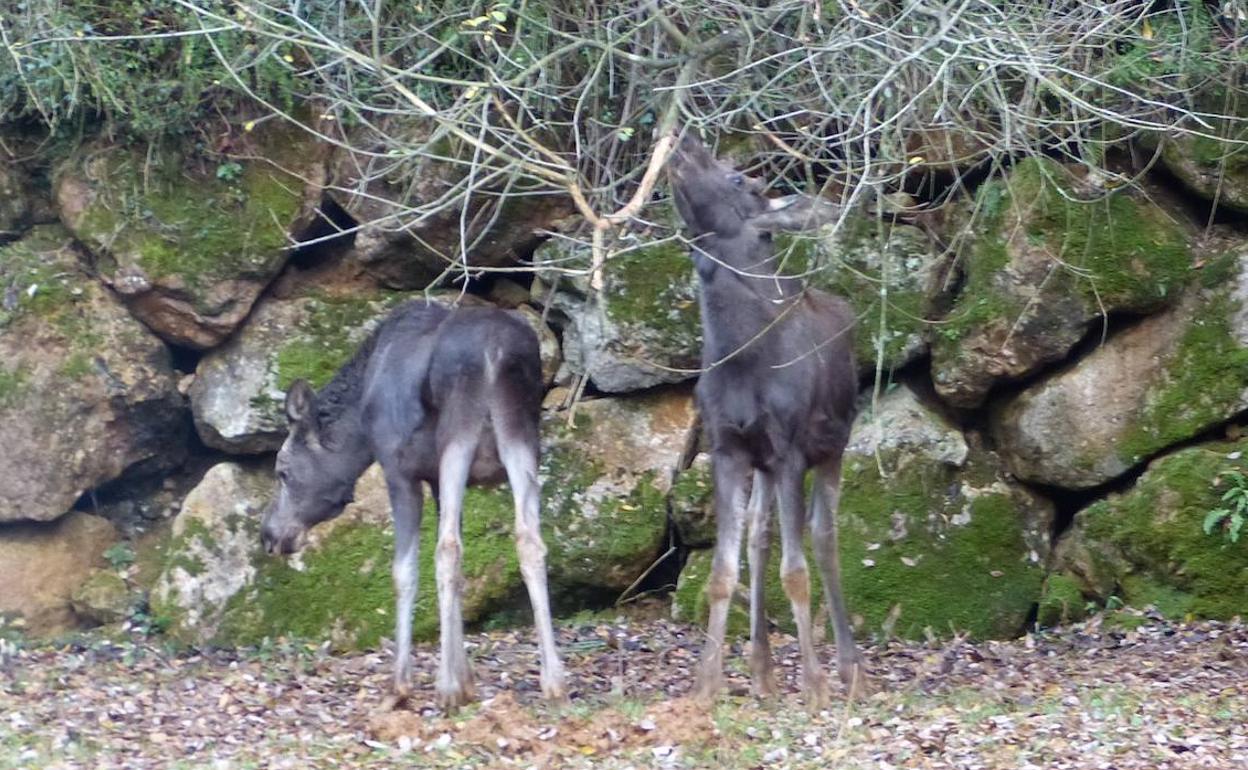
column 238, row 390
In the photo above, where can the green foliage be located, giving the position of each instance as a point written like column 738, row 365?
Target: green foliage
column 1231, row 516
column 131, row 63
column 119, row 555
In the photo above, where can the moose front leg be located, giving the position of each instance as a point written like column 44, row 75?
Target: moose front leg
column 729, row 470
column 762, row 679
column 406, row 507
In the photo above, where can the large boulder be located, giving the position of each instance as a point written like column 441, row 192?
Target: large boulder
column 386, row 194
column 219, row 587
column 188, row 243
column 933, row 536
column 42, row 565
column 889, row 273
column 1148, row 546
column 239, row 388
column 605, row 480
column 1167, row 379
column 87, row 394
column 1042, row 265
column 643, row 329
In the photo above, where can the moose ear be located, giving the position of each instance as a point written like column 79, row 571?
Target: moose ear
column 301, row 404
column 795, row 213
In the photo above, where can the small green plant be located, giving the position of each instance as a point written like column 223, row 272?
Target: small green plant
column 120, row 555
column 228, row 172
column 1231, row 516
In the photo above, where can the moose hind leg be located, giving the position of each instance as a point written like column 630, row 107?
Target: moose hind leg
column 824, row 533
column 454, row 680
column 795, row 576
column 762, row 679
column 729, row 469
column 405, row 505
column 518, row 450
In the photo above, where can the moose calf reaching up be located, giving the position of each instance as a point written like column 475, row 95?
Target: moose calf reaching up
column 445, row 396
column 777, row 396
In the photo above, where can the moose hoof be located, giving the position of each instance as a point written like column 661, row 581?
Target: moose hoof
column 452, row 699
column 815, row 687
column 709, row 685
column 395, row 699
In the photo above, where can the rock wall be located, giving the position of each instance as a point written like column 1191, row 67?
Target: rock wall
column 1058, row 422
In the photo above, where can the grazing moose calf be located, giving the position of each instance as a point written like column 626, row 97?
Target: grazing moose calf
column 448, row 397
column 777, row 397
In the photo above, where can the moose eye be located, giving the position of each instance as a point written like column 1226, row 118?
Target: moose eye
column 736, row 180
column 283, row 476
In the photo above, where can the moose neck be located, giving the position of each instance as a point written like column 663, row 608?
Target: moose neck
column 742, row 292
column 339, row 407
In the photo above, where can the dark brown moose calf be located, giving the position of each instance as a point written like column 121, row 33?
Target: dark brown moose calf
column 450, row 397
column 777, row 396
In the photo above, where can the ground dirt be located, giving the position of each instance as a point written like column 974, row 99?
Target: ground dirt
column 1158, row 696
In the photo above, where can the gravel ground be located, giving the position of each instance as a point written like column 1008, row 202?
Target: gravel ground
column 1159, row 696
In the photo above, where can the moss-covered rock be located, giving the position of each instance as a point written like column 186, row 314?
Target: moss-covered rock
column 1166, row 380
column 605, row 481
column 643, row 329
column 933, row 536
column 239, row 388
column 887, row 272
column 385, row 193
column 43, row 564
column 1215, row 169
column 1061, row 601
column 692, row 504
column 189, row 243
column 1042, row 265
column 1147, row 546
column 103, row 598
column 87, row 394
column 218, row 587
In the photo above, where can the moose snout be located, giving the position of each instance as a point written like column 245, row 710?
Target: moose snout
column 277, row 541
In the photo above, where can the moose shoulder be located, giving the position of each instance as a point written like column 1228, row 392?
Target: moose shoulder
column 444, row 396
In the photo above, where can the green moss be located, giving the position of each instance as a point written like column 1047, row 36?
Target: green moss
column 43, row 272
column 345, row 592
column 878, row 269
column 77, row 366
column 184, row 223
column 12, row 386
column 327, row 338
column 690, row 503
column 1203, row 382
column 596, row 539
column 1129, row 253
column 961, row 564
column 1061, row 601
column 651, row 290
column 1116, row 252
column 1160, row 553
